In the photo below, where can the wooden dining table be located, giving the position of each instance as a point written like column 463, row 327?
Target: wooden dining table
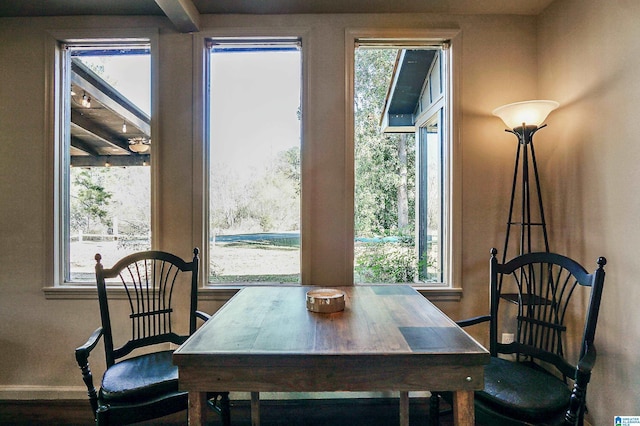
column 387, row 338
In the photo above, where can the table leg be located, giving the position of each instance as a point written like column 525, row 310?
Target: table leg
column 404, row 408
column 463, row 409
column 255, row 408
column 197, row 408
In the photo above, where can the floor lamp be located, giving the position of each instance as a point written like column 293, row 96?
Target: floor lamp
column 524, row 119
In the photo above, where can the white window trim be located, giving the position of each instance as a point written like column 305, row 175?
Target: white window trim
column 56, row 286
column 453, row 288
column 201, row 152
column 53, row 290
column 423, row 120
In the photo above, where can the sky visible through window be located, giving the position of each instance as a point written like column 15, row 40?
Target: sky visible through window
column 255, row 104
column 129, row 74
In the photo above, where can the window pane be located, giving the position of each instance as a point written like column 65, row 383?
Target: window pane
column 398, row 180
column 431, row 199
column 384, row 178
column 254, row 215
column 107, row 205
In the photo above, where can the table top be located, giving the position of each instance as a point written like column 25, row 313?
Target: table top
column 377, row 320
column 389, row 337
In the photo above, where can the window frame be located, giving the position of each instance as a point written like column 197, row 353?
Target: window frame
column 55, row 131
column 433, row 114
column 311, row 132
column 257, row 43
column 452, row 220
column 201, row 149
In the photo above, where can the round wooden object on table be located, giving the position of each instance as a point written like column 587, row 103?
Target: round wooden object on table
column 325, row 300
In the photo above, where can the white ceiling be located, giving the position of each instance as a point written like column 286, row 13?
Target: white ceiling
column 150, row 7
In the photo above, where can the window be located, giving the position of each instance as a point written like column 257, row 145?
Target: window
column 430, row 199
column 103, row 113
column 402, row 162
column 254, row 160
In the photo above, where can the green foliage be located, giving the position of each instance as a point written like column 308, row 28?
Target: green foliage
column 90, row 201
column 267, row 201
column 106, row 200
column 288, row 167
column 389, row 262
column 385, row 263
column 378, row 165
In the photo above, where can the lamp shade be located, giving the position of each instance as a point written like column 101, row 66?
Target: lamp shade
column 528, row 112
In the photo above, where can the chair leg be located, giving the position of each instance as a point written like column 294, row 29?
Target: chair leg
column 102, row 416
column 575, row 413
column 219, row 402
column 87, row 377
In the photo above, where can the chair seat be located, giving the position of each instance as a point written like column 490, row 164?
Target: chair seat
column 139, row 378
column 521, row 391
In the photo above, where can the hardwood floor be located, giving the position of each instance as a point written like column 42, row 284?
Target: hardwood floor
column 316, row 412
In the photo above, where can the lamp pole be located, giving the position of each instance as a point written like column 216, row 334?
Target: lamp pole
column 525, row 157
column 524, row 119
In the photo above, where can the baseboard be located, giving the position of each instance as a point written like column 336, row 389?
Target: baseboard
column 42, row 393
column 294, row 412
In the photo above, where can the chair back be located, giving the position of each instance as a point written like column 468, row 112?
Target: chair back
column 549, row 294
column 151, row 281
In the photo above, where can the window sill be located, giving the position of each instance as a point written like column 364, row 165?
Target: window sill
column 223, row 293
column 444, row 294
column 77, row 292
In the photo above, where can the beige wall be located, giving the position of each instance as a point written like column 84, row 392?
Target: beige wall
column 589, row 57
column 499, row 64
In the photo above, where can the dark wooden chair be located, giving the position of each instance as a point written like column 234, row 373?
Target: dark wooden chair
column 141, row 384
column 547, row 302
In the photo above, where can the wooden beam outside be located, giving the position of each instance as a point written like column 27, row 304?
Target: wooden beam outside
column 83, row 146
column 91, row 126
column 183, row 14
column 113, row 160
column 109, row 97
